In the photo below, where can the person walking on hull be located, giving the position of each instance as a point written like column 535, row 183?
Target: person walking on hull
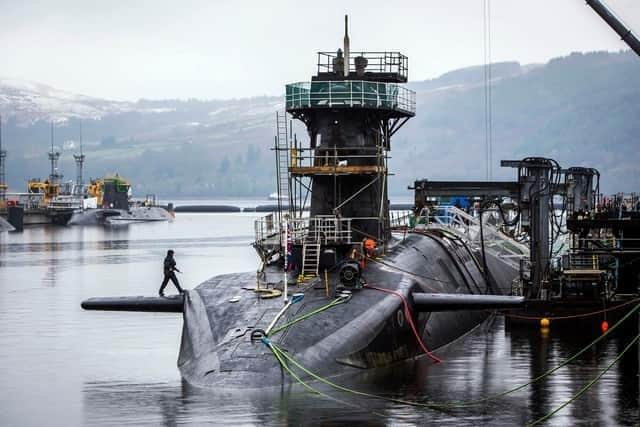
column 170, row 273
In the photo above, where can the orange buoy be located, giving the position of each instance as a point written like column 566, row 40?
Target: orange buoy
column 604, row 326
column 544, row 322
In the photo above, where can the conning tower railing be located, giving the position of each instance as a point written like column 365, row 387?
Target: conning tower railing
column 350, row 94
column 393, row 64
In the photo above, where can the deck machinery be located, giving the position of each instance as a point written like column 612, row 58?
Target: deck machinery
column 602, row 263
column 584, row 250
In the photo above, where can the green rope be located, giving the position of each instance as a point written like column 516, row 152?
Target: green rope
column 339, row 387
column 566, row 362
column 453, row 404
column 587, row 386
column 283, row 364
column 338, row 301
column 278, row 354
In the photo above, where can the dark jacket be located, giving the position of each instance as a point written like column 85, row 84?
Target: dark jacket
column 169, row 264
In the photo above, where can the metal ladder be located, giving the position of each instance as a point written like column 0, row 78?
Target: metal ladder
column 282, row 162
column 310, row 260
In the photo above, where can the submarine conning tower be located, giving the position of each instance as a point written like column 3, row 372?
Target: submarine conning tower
column 351, row 109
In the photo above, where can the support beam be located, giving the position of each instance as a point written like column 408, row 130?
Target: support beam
column 483, row 189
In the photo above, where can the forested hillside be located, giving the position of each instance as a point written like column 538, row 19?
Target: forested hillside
column 583, row 110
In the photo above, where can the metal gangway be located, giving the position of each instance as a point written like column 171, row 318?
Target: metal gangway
column 467, row 227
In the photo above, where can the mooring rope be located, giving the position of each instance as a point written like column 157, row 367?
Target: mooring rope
column 573, row 316
column 280, row 355
column 335, row 302
column 586, row 386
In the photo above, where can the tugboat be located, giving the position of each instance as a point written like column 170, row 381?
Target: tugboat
column 342, row 290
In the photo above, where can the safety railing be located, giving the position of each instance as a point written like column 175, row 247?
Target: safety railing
column 65, row 203
column 323, row 229
column 400, row 219
column 328, row 229
column 583, row 262
column 393, row 63
column 619, row 205
column 30, row 201
column 351, row 94
column 266, row 228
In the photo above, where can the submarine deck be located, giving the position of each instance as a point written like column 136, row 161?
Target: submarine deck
column 225, row 318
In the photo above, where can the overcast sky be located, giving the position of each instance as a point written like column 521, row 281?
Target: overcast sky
column 222, row 49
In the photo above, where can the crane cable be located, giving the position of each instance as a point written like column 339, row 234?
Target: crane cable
column 488, row 110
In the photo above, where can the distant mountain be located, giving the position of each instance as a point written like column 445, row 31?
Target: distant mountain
column 27, row 102
column 166, row 147
column 582, row 109
column 471, row 76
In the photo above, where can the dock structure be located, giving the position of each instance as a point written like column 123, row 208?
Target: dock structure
column 583, row 253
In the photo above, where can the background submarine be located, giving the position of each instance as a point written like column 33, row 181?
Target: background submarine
column 338, row 290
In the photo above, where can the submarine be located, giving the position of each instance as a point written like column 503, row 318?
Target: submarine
column 340, row 287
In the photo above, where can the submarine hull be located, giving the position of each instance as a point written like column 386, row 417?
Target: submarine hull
column 220, row 347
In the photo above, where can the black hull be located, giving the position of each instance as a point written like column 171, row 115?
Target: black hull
column 60, row 218
column 367, row 332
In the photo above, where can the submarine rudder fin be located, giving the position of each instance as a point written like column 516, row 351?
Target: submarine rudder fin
column 173, row 304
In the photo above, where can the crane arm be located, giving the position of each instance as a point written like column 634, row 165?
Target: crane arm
column 623, row 31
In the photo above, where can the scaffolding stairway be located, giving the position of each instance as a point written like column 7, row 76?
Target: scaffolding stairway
column 310, row 260
column 282, row 162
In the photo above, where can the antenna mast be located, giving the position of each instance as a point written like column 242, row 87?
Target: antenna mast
column 54, row 177
column 79, row 158
column 346, row 46
column 3, row 155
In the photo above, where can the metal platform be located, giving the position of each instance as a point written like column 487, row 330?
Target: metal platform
column 336, row 170
column 351, row 94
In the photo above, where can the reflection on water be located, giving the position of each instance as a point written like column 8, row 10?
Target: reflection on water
column 62, row 366
column 487, row 362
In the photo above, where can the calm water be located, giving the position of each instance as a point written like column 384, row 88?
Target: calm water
column 60, row 365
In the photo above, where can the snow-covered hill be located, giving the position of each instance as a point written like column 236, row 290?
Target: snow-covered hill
column 29, row 102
